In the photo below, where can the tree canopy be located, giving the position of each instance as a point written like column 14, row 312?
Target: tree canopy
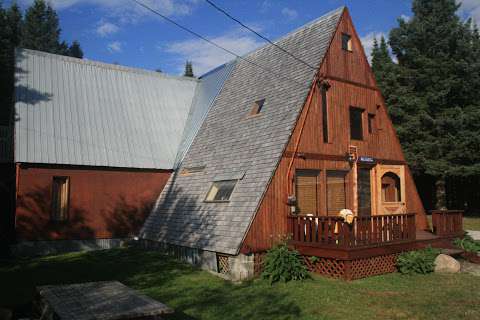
column 433, row 91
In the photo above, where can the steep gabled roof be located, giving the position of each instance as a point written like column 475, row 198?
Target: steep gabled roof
column 80, row 112
column 233, row 146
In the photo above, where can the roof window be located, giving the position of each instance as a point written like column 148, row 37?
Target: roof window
column 221, row 191
column 257, row 107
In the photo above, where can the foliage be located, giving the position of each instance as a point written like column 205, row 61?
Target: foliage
column 468, row 244
column 417, row 261
column 283, row 264
column 38, row 29
column 432, row 92
column 314, row 259
column 188, row 69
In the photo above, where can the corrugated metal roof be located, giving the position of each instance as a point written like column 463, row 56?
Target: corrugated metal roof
column 80, row 112
column 230, row 144
column 207, row 90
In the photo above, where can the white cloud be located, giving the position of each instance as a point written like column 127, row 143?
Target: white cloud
column 470, row 8
column 105, row 29
column 405, row 17
column 115, row 47
column 290, row 14
column 367, row 42
column 205, row 56
column 127, row 11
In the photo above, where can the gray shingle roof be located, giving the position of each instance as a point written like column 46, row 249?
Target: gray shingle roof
column 80, row 112
column 229, row 144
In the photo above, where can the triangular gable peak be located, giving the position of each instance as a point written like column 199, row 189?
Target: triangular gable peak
column 317, row 150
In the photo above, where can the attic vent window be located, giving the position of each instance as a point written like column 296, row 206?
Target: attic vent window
column 257, row 107
column 346, row 42
column 191, row 170
column 221, row 191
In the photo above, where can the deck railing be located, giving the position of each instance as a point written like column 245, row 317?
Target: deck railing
column 447, row 222
column 334, row 232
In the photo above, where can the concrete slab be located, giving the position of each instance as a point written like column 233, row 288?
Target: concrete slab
column 474, row 234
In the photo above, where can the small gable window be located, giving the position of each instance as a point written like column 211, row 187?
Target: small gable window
column 346, row 42
column 221, row 191
column 371, row 123
column 356, row 128
column 257, row 107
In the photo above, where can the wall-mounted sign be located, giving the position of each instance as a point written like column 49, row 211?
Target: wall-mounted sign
column 366, row 160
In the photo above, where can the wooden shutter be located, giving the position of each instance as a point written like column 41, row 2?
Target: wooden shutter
column 336, row 199
column 306, row 191
column 60, row 198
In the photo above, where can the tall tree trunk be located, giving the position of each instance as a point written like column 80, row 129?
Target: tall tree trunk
column 440, row 194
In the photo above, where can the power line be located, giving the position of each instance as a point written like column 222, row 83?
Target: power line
column 217, row 45
column 258, row 34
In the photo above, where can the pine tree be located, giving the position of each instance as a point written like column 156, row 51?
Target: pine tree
column 41, row 29
column 432, row 93
column 188, row 69
column 75, row 50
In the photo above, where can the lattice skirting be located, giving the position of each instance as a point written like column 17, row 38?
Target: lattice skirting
column 344, row 269
column 223, row 264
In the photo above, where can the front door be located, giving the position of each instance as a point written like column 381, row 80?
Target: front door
column 390, row 189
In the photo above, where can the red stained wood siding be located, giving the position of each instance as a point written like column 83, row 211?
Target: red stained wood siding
column 352, row 84
column 104, row 202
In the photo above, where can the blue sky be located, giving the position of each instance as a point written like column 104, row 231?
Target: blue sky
column 120, row 31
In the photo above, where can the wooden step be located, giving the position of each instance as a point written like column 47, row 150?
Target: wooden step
column 452, row 252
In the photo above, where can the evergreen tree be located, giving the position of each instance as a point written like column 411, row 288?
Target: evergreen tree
column 75, row 50
column 41, row 29
column 432, row 93
column 188, row 69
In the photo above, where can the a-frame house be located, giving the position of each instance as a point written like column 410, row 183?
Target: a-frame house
column 281, row 154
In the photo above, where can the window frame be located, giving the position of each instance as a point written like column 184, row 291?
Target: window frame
column 347, row 45
column 361, row 129
column 371, row 117
column 257, row 107
column 318, row 189
column 58, row 213
column 324, row 111
column 398, row 187
column 212, row 185
column 345, row 189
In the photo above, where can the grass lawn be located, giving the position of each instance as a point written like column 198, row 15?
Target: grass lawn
column 196, row 294
column 469, row 223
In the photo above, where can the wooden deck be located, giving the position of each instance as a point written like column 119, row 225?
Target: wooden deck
column 369, row 245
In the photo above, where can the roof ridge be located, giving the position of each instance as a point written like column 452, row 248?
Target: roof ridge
column 101, row 64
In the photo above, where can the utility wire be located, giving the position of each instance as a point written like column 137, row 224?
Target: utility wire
column 258, row 34
column 217, row 45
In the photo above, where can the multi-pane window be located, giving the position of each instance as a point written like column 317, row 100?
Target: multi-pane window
column 221, row 191
column 356, row 127
column 336, row 197
column 60, row 198
column 306, row 185
column 346, row 42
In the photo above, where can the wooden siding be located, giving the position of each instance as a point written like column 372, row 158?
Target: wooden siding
column 103, row 202
column 351, row 84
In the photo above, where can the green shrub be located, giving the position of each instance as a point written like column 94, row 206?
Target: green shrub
column 419, row 261
column 283, row 264
column 468, row 244
column 314, row 259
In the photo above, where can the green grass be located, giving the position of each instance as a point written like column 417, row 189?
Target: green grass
column 196, row 294
column 471, row 223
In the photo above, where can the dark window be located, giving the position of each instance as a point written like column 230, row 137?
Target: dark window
column 220, row 191
column 306, row 184
column 364, row 194
column 336, row 197
column 60, row 198
column 324, row 114
column 257, row 107
column 356, row 128
column 391, row 188
column 371, row 123
column 346, row 42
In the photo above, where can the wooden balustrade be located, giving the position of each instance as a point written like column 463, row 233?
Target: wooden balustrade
column 327, row 231
column 447, row 222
